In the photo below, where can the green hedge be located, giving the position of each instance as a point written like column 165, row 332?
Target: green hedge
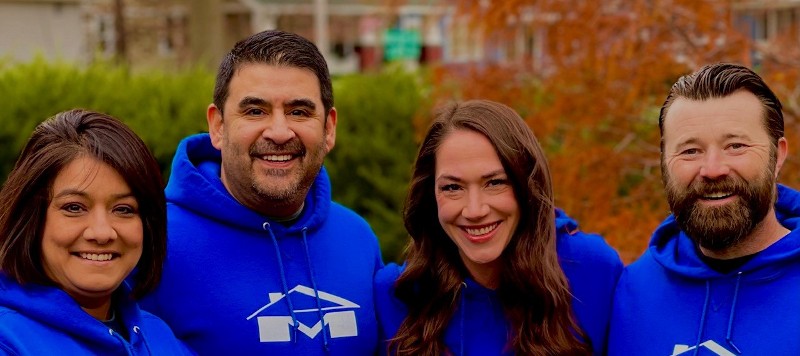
column 369, row 166
column 161, row 107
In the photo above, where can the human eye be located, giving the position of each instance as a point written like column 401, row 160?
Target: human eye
column 72, row 209
column 737, row 146
column 255, row 112
column 126, row 210
column 497, row 182
column 448, row 188
column 690, row 152
column 299, row 112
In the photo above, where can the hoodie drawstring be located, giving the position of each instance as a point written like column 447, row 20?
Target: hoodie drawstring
column 295, row 323
column 316, row 291
column 137, row 330
column 703, row 318
column 728, row 337
column 461, row 318
column 733, row 311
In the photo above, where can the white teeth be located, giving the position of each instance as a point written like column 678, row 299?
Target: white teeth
column 717, row 195
column 481, row 231
column 277, row 158
column 96, row 256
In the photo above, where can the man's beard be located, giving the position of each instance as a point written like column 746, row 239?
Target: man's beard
column 717, row 228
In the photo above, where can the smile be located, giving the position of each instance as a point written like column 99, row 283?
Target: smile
column 717, row 196
column 481, row 231
column 96, row 256
column 277, row 158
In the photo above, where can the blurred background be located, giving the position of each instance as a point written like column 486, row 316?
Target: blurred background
column 588, row 77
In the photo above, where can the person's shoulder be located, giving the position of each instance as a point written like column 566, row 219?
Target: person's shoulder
column 385, row 277
column 343, row 215
column 345, row 212
column 160, row 336
column 578, row 245
column 9, row 316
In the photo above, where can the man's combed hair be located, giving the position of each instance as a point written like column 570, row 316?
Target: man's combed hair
column 27, row 192
column 723, row 79
column 532, row 288
column 275, row 48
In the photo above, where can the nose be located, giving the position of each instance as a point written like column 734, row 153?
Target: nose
column 278, row 129
column 476, row 208
column 714, row 165
column 100, row 229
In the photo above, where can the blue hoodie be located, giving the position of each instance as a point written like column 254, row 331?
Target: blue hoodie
column 670, row 302
column 479, row 325
column 237, row 283
column 44, row 320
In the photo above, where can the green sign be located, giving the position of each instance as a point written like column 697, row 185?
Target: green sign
column 401, row 44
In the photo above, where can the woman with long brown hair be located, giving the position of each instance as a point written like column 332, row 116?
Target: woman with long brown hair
column 493, row 267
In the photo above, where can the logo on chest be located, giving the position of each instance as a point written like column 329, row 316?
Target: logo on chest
column 301, row 310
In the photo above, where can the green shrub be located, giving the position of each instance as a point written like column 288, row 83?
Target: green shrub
column 369, row 167
column 161, row 107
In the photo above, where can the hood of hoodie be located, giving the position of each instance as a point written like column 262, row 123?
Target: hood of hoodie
column 564, row 223
column 195, row 185
column 53, row 307
column 676, row 252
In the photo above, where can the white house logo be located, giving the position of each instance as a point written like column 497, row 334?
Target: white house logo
column 710, row 345
column 339, row 316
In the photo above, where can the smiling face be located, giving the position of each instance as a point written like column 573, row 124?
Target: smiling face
column 476, row 203
column 720, row 167
column 273, row 134
column 93, row 234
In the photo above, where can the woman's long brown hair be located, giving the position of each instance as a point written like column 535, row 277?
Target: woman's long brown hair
column 533, row 289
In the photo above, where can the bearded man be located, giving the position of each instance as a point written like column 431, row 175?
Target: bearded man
column 722, row 273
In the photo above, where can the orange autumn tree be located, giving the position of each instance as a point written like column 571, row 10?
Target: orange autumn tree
column 591, row 89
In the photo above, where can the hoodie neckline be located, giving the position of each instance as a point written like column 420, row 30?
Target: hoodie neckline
column 195, row 185
column 675, row 251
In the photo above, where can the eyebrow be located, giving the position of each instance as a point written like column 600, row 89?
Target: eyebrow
column 485, row 176
column 301, row 102
column 252, row 101
column 255, row 101
column 694, row 140
column 69, row 192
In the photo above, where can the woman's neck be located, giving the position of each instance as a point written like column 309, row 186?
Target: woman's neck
column 99, row 308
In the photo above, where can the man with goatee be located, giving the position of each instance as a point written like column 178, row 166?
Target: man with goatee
column 722, row 273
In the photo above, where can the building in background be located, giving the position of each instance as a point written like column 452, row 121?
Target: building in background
column 53, row 29
column 354, row 35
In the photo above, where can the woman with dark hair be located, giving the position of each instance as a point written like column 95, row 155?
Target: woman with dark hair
column 493, row 266
column 83, row 206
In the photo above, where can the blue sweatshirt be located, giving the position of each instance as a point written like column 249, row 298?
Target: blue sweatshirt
column 669, row 302
column 238, row 283
column 44, row 320
column 479, row 325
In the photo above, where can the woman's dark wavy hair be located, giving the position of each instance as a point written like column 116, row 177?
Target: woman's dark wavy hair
column 28, row 191
column 532, row 287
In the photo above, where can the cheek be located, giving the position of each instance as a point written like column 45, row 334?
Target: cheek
column 681, row 173
column 135, row 235
column 447, row 209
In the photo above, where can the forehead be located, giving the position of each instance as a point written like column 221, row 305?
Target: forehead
column 252, row 77
column 736, row 114
column 85, row 172
column 463, row 150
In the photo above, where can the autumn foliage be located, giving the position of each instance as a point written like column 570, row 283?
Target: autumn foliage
column 592, row 95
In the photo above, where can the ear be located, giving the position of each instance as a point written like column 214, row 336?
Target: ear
column 215, row 125
column 330, row 130
column 783, row 150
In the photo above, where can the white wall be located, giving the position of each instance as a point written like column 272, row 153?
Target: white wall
column 52, row 29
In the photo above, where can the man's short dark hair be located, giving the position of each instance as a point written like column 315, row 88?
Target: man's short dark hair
column 275, row 48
